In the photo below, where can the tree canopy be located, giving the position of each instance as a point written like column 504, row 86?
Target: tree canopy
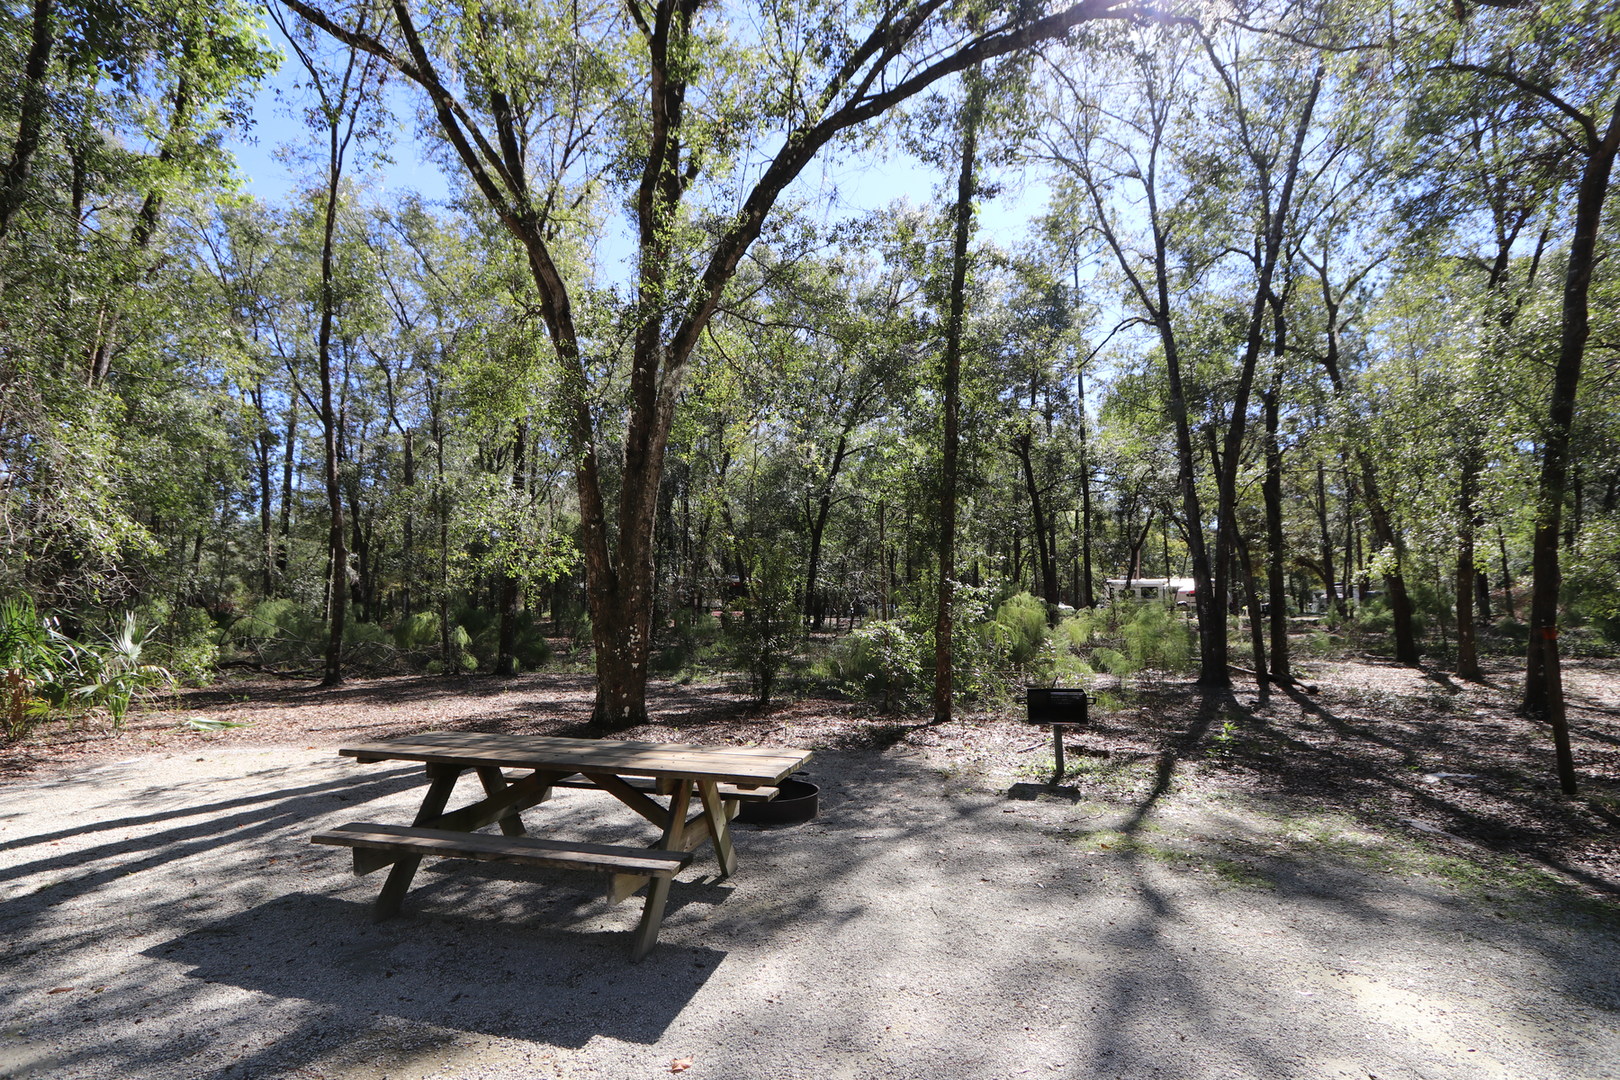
column 1312, row 315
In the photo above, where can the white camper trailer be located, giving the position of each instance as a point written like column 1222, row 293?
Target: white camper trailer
column 1176, row 591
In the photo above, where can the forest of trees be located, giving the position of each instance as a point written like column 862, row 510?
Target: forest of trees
column 1313, row 307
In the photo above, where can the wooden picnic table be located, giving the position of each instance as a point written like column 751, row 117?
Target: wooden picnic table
column 659, row 781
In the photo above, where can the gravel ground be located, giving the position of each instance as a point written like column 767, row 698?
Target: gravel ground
column 164, row 917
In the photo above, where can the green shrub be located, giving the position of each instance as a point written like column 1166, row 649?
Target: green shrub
column 981, row 646
column 461, row 658
column 1062, row 661
column 1591, row 586
column 279, row 632
column 1020, row 623
column 762, row 640
column 187, row 645
column 1514, row 630
column 417, row 633
column 882, row 661
column 1157, row 639
column 368, row 647
column 530, row 648
column 1112, row 661
column 693, row 635
column 1374, row 617
column 1321, row 644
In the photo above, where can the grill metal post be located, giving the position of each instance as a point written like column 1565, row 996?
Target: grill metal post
column 1057, row 709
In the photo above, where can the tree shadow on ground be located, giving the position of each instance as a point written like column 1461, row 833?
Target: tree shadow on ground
column 915, row 903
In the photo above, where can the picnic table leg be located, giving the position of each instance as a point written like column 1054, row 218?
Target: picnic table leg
column 494, row 782
column 652, row 915
column 442, row 782
column 719, row 826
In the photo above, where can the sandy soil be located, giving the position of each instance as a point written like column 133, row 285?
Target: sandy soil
column 1368, row 881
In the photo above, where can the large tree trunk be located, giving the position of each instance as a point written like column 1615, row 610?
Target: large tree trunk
column 33, row 108
column 951, row 363
column 1541, row 674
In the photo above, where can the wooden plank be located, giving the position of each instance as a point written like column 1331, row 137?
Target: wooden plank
column 731, row 769
column 366, row 862
column 516, row 796
column 549, row 745
column 715, row 817
column 747, row 766
column 652, row 913
column 494, row 782
column 623, row 886
column 442, row 782
column 631, row 797
column 527, row 850
column 727, row 791
column 485, row 738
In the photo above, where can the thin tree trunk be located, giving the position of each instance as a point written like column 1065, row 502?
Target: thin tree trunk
column 507, row 590
column 1507, row 574
column 1276, row 219
column 1336, row 596
column 288, row 471
column 952, row 370
column 408, row 527
column 1257, row 633
column 1400, row 602
column 1048, row 559
column 262, row 443
column 885, row 561
column 818, row 526
column 106, row 343
column 441, row 501
column 1088, row 594
column 1467, row 647
column 336, row 543
column 1276, row 566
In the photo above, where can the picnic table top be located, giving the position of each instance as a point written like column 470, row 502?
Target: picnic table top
column 742, row 765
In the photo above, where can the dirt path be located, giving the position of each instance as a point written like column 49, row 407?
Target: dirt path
column 1178, row 915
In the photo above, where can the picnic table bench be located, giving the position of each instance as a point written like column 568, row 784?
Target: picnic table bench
column 638, row 774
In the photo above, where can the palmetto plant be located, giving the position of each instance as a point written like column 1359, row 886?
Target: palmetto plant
column 31, row 658
column 112, row 675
